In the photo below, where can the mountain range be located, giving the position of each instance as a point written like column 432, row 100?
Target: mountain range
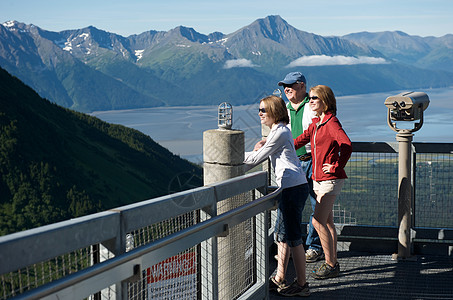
column 90, row 69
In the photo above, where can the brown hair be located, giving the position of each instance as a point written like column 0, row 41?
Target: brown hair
column 276, row 108
column 327, row 97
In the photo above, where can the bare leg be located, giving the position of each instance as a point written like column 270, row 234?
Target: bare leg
column 299, row 263
column 322, row 212
column 283, row 259
column 333, row 233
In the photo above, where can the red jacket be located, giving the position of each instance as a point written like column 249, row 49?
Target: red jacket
column 329, row 144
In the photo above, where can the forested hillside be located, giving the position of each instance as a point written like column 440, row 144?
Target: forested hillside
column 56, row 164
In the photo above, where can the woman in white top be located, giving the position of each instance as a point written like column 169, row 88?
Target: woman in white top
column 279, row 146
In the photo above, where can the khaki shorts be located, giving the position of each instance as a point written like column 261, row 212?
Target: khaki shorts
column 328, row 187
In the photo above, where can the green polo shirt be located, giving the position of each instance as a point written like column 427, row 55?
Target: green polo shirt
column 296, row 117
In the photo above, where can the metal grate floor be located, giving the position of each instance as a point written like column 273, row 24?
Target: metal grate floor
column 370, row 276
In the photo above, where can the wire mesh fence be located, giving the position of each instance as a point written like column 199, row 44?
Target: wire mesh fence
column 28, row 278
column 179, row 277
column 155, row 283
column 434, row 190
column 370, row 194
column 236, row 253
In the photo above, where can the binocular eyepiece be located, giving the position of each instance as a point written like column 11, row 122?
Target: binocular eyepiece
column 407, row 106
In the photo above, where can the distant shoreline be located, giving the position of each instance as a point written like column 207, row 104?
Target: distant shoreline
column 390, row 93
column 363, row 116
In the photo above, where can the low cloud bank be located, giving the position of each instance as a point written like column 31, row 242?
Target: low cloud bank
column 313, row 60
column 324, row 60
column 238, row 63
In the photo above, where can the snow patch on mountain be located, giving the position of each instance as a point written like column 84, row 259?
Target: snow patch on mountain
column 14, row 25
column 67, row 46
column 139, row 54
column 9, row 24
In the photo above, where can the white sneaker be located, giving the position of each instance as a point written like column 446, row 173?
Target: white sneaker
column 313, row 256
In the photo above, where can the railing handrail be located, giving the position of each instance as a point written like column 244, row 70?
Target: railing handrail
column 392, row 147
column 25, row 248
column 120, row 268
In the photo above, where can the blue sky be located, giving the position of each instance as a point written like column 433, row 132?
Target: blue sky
column 323, row 17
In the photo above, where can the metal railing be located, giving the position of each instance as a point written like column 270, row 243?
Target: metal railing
column 177, row 231
column 371, row 191
column 141, row 251
column 367, row 207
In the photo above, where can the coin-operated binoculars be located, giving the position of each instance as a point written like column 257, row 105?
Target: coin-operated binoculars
column 408, row 106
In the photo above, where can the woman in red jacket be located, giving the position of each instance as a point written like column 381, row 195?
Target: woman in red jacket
column 331, row 149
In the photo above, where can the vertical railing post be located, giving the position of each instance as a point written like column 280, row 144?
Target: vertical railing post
column 208, row 264
column 262, row 249
column 414, row 194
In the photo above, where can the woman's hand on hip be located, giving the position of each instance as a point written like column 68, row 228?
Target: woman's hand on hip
column 327, row 168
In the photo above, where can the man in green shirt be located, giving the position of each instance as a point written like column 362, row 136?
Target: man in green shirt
column 301, row 115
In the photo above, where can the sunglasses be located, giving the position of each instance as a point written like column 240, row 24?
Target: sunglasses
column 290, row 85
column 262, row 110
column 313, row 98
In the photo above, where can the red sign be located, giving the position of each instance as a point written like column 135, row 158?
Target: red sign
column 173, row 267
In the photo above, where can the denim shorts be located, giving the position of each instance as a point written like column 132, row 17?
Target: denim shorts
column 289, row 215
